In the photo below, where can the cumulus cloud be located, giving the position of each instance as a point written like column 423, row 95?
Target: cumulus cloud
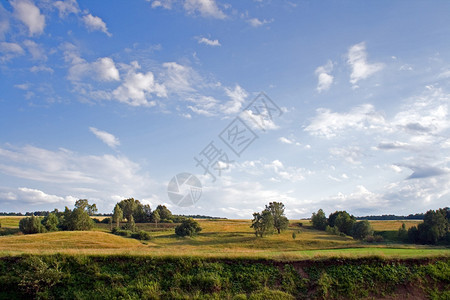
column 137, row 88
column 206, row 41
column 103, row 69
column 27, row 12
column 285, row 140
column 179, row 78
column 106, row 137
column 206, row 8
column 325, row 79
column 357, row 59
column 94, row 23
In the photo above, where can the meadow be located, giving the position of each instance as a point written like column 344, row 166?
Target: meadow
column 218, row 239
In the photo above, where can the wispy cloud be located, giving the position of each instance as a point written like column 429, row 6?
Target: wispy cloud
column 106, row 137
column 94, row 23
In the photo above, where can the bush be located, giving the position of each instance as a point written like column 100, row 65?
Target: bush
column 106, row 220
column 31, row 225
column 188, row 227
column 332, row 230
column 141, row 235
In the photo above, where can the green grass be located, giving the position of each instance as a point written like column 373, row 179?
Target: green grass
column 219, row 238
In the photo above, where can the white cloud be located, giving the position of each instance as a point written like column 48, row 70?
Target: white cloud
column 285, row 140
column 330, row 124
column 66, row 7
column 94, row 23
column 36, row 69
column 208, row 42
column 361, row 69
column 10, row 50
column 30, row 15
column 179, row 78
column 138, row 87
column 66, row 171
column 36, row 50
column 237, row 96
column 35, row 196
column 255, row 22
column 105, row 137
column 167, row 4
column 325, row 79
column 103, row 69
column 206, row 8
column 349, row 154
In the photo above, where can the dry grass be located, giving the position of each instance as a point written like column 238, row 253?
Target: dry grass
column 394, row 224
column 219, row 238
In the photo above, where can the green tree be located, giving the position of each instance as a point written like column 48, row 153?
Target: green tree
column 31, row 225
column 319, row 220
column 262, row 223
column 131, row 225
column 92, row 209
column 435, row 226
column 156, row 217
column 280, row 222
column 78, row 219
column 82, row 204
column 403, row 233
column 51, row 222
column 164, row 213
column 343, row 222
column 117, row 215
column 361, row 230
column 188, row 227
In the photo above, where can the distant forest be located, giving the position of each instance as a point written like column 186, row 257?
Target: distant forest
column 46, row 213
column 419, row 216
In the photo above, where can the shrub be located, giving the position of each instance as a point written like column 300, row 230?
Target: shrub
column 188, row 227
column 51, row 222
column 379, row 239
column 31, row 225
column 106, row 220
column 141, row 235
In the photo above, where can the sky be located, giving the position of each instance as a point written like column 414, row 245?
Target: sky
column 339, row 105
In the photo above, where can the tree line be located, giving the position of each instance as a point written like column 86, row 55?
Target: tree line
column 342, row 223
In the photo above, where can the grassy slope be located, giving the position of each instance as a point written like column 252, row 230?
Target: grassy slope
column 219, row 238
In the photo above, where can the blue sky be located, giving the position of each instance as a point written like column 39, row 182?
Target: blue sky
column 107, row 100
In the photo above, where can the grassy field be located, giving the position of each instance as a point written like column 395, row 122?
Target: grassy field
column 219, row 238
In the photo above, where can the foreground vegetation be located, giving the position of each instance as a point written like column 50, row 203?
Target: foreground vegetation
column 134, row 277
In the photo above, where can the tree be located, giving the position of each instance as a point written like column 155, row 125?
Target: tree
column 128, row 207
column 117, row 215
column 92, row 209
column 79, row 219
column 188, row 227
column 155, row 217
column 164, row 213
column 403, row 233
column 435, row 227
column 361, row 230
column 82, row 204
column 262, row 223
column 319, row 220
column 31, row 225
column 344, row 222
column 51, row 222
column 280, row 222
column 131, row 225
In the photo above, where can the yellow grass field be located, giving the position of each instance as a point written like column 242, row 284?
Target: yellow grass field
column 219, row 238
